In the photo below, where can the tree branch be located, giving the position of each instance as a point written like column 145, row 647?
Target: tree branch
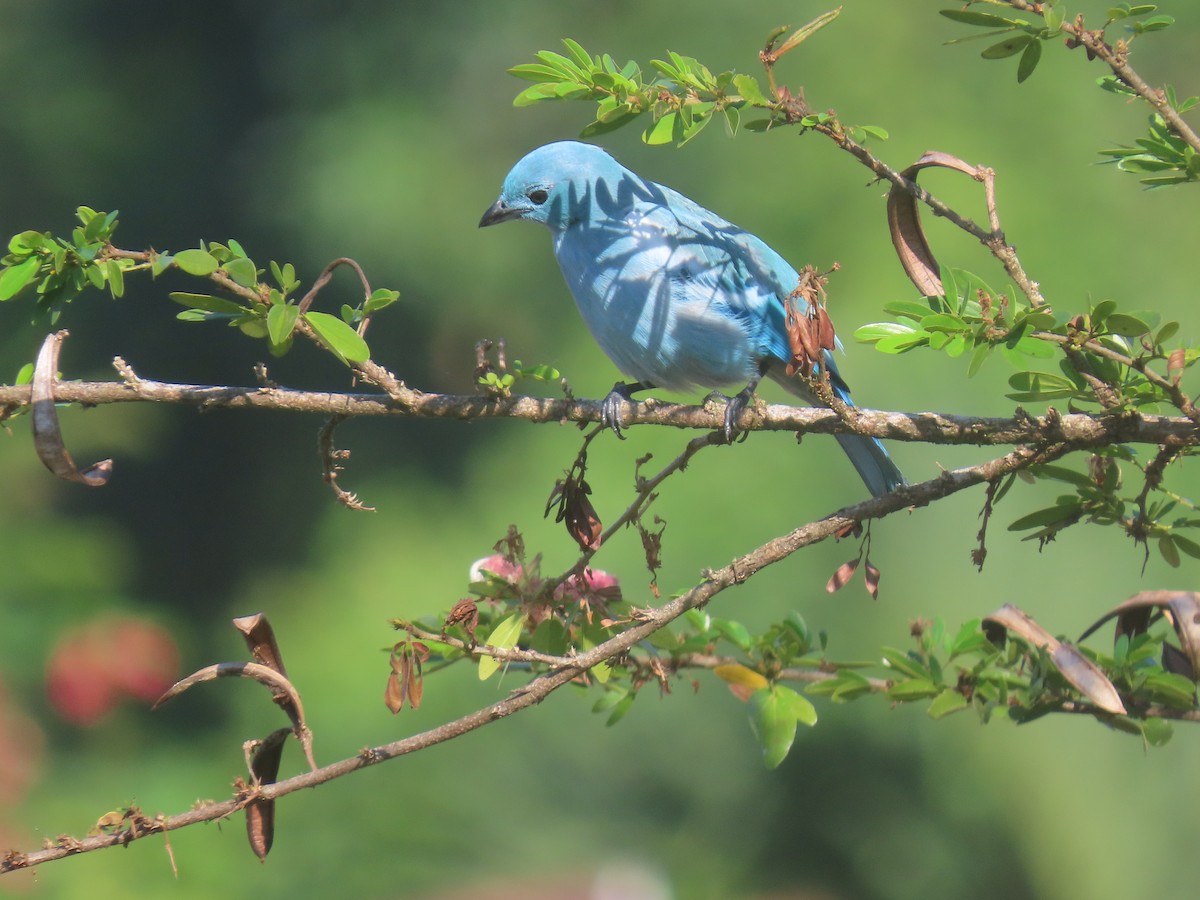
column 646, row 623
column 1079, row 429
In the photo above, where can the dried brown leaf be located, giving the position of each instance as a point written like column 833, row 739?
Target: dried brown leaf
column 1084, row 675
column 260, row 638
column 1176, row 363
column 842, row 575
column 47, row 434
column 264, row 675
column 263, row 759
column 871, row 577
column 904, row 223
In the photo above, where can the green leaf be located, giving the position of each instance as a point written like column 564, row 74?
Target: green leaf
column 1126, row 325
column 748, row 87
column 339, row 337
column 914, row 689
column 1157, row 732
column 116, row 278
column 1166, row 546
column 536, row 94
column 870, row 334
column 1188, row 546
column 535, row 72
column 196, row 262
column 663, row 131
column 1051, row 515
column 14, row 278
column 982, row 19
column 1154, row 23
column 281, row 321
column 1041, row 386
column 242, row 271
column 1029, row 60
column 947, row 702
column 379, row 299
column 735, row 632
column 1009, row 47
column 503, row 637
column 208, row 302
column 620, row 709
column 774, row 714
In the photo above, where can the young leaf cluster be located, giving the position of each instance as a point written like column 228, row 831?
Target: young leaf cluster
column 61, row 268
column 682, row 96
column 1162, row 157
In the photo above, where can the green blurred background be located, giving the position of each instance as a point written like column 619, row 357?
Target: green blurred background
column 382, row 131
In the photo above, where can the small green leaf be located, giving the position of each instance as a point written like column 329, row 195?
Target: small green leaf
column 536, row 94
column 1157, row 731
column 1029, row 60
column 774, row 714
column 1126, row 325
column 116, row 278
column 14, row 278
column 535, row 72
column 748, row 87
column 947, row 702
column 339, row 337
column 914, row 689
column 281, row 321
column 503, row 637
column 380, row 298
column 735, row 632
column 196, row 262
column 1170, row 553
column 982, row 19
column 1008, row 47
column 663, row 131
column 242, row 271
column 208, row 302
column 24, row 374
column 1187, row 545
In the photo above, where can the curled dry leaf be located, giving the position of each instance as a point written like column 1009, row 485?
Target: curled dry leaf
column 1083, row 674
column 406, row 681
column 842, row 575
column 575, row 509
column 263, row 759
column 47, row 435
column 871, row 577
column 904, row 223
column 1182, row 609
column 1176, row 363
column 260, row 638
column 262, row 674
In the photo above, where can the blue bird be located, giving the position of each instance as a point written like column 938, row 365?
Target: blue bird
column 676, row 296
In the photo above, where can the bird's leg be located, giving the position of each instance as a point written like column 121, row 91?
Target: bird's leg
column 610, row 407
column 740, row 400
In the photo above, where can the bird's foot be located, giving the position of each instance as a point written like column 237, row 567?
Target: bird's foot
column 611, row 405
column 733, row 410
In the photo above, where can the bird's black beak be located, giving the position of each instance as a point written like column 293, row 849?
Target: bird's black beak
column 499, row 212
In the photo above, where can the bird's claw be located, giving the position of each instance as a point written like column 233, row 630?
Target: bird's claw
column 733, row 410
column 611, row 406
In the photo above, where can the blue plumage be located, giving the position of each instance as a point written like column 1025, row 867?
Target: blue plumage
column 676, row 296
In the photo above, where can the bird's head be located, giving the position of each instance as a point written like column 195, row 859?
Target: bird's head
column 553, row 185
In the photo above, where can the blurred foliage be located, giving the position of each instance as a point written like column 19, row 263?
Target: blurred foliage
column 389, row 156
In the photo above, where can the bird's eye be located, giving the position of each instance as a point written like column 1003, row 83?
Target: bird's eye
column 538, row 197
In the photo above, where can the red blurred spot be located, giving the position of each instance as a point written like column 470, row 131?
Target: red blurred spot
column 92, row 668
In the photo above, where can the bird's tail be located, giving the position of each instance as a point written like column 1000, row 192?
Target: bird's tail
column 873, row 463
column 868, row 455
